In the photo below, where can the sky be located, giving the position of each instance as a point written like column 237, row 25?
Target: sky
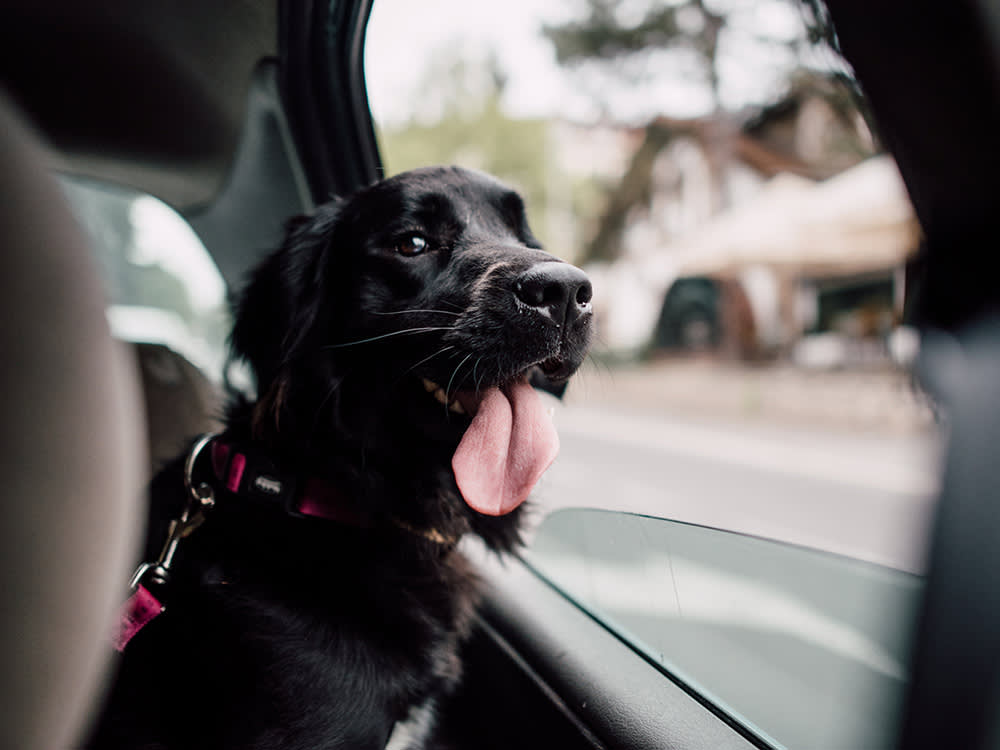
column 405, row 37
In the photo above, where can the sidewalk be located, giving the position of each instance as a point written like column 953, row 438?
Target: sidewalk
column 873, row 401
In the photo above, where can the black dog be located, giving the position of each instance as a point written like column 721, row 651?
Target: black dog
column 322, row 600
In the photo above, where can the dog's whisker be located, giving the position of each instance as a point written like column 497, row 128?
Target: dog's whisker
column 604, row 378
column 474, row 368
column 424, row 329
column 452, row 380
column 329, row 394
column 418, row 310
column 467, row 358
column 601, row 365
column 482, row 376
column 425, row 359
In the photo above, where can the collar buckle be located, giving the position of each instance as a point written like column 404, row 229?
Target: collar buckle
column 200, row 500
column 142, row 606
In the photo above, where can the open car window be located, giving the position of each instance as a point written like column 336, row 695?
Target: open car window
column 748, row 470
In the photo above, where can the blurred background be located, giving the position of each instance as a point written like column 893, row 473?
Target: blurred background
column 712, row 166
column 709, row 163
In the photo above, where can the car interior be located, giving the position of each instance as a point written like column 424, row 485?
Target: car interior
column 240, row 113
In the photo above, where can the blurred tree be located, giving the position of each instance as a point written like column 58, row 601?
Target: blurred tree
column 463, row 123
column 604, row 35
column 611, row 37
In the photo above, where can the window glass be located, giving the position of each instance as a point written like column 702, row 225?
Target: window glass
column 809, row 650
column 161, row 283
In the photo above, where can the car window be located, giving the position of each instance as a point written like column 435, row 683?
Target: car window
column 162, row 285
column 712, row 167
column 807, row 649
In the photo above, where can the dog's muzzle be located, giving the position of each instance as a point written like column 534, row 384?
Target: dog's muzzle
column 558, row 291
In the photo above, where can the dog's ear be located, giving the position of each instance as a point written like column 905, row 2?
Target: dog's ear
column 278, row 310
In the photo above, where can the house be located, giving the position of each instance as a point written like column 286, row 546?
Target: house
column 786, row 210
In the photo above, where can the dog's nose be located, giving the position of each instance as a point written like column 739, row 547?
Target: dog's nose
column 558, row 290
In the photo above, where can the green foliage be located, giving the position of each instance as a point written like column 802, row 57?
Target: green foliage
column 474, row 131
column 604, row 37
column 487, row 139
column 601, row 36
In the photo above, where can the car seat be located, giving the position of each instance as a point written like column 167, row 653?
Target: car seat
column 180, row 402
column 73, row 458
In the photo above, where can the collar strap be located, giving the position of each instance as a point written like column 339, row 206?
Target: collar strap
column 258, row 479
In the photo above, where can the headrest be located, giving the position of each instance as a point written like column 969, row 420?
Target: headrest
column 73, row 454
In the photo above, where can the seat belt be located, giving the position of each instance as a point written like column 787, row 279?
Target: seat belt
column 952, row 700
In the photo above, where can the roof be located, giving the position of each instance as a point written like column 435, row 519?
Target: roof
column 858, row 221
column 150, row 93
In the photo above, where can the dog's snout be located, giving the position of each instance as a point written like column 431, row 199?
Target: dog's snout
column 558, row 290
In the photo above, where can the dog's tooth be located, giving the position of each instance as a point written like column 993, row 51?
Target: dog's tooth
column 429, row 385
column 456, row 407
column 439, row 395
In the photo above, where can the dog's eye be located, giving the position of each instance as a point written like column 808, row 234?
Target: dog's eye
column 412, row 244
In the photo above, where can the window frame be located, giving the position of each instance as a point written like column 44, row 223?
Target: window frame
column 610, row 690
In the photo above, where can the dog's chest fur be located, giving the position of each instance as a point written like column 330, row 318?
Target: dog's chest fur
column 290, row 633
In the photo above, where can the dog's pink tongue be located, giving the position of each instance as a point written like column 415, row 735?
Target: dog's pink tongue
column 505, row 451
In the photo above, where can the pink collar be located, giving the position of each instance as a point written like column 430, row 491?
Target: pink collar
column 259, row 480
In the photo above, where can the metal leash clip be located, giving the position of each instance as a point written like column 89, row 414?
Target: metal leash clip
column 200, row 500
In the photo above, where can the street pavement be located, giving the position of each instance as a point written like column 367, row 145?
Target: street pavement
column 810, row 650
column 845, row 462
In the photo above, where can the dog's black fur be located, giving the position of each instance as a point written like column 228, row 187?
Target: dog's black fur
column 283, row 632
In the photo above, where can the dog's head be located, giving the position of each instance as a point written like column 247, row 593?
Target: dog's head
column 410, row 317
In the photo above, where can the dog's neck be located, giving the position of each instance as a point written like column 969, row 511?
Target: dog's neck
column 386, row 445
column 244, row 472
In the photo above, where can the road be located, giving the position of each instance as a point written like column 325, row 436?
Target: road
column 865, row 495
column 809, row 650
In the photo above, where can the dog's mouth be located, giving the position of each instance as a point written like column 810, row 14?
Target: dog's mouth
column 466, row 403
column 508, row 444
column 461, row 403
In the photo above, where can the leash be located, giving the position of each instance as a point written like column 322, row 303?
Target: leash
column 252, row 478
column 142, row 607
